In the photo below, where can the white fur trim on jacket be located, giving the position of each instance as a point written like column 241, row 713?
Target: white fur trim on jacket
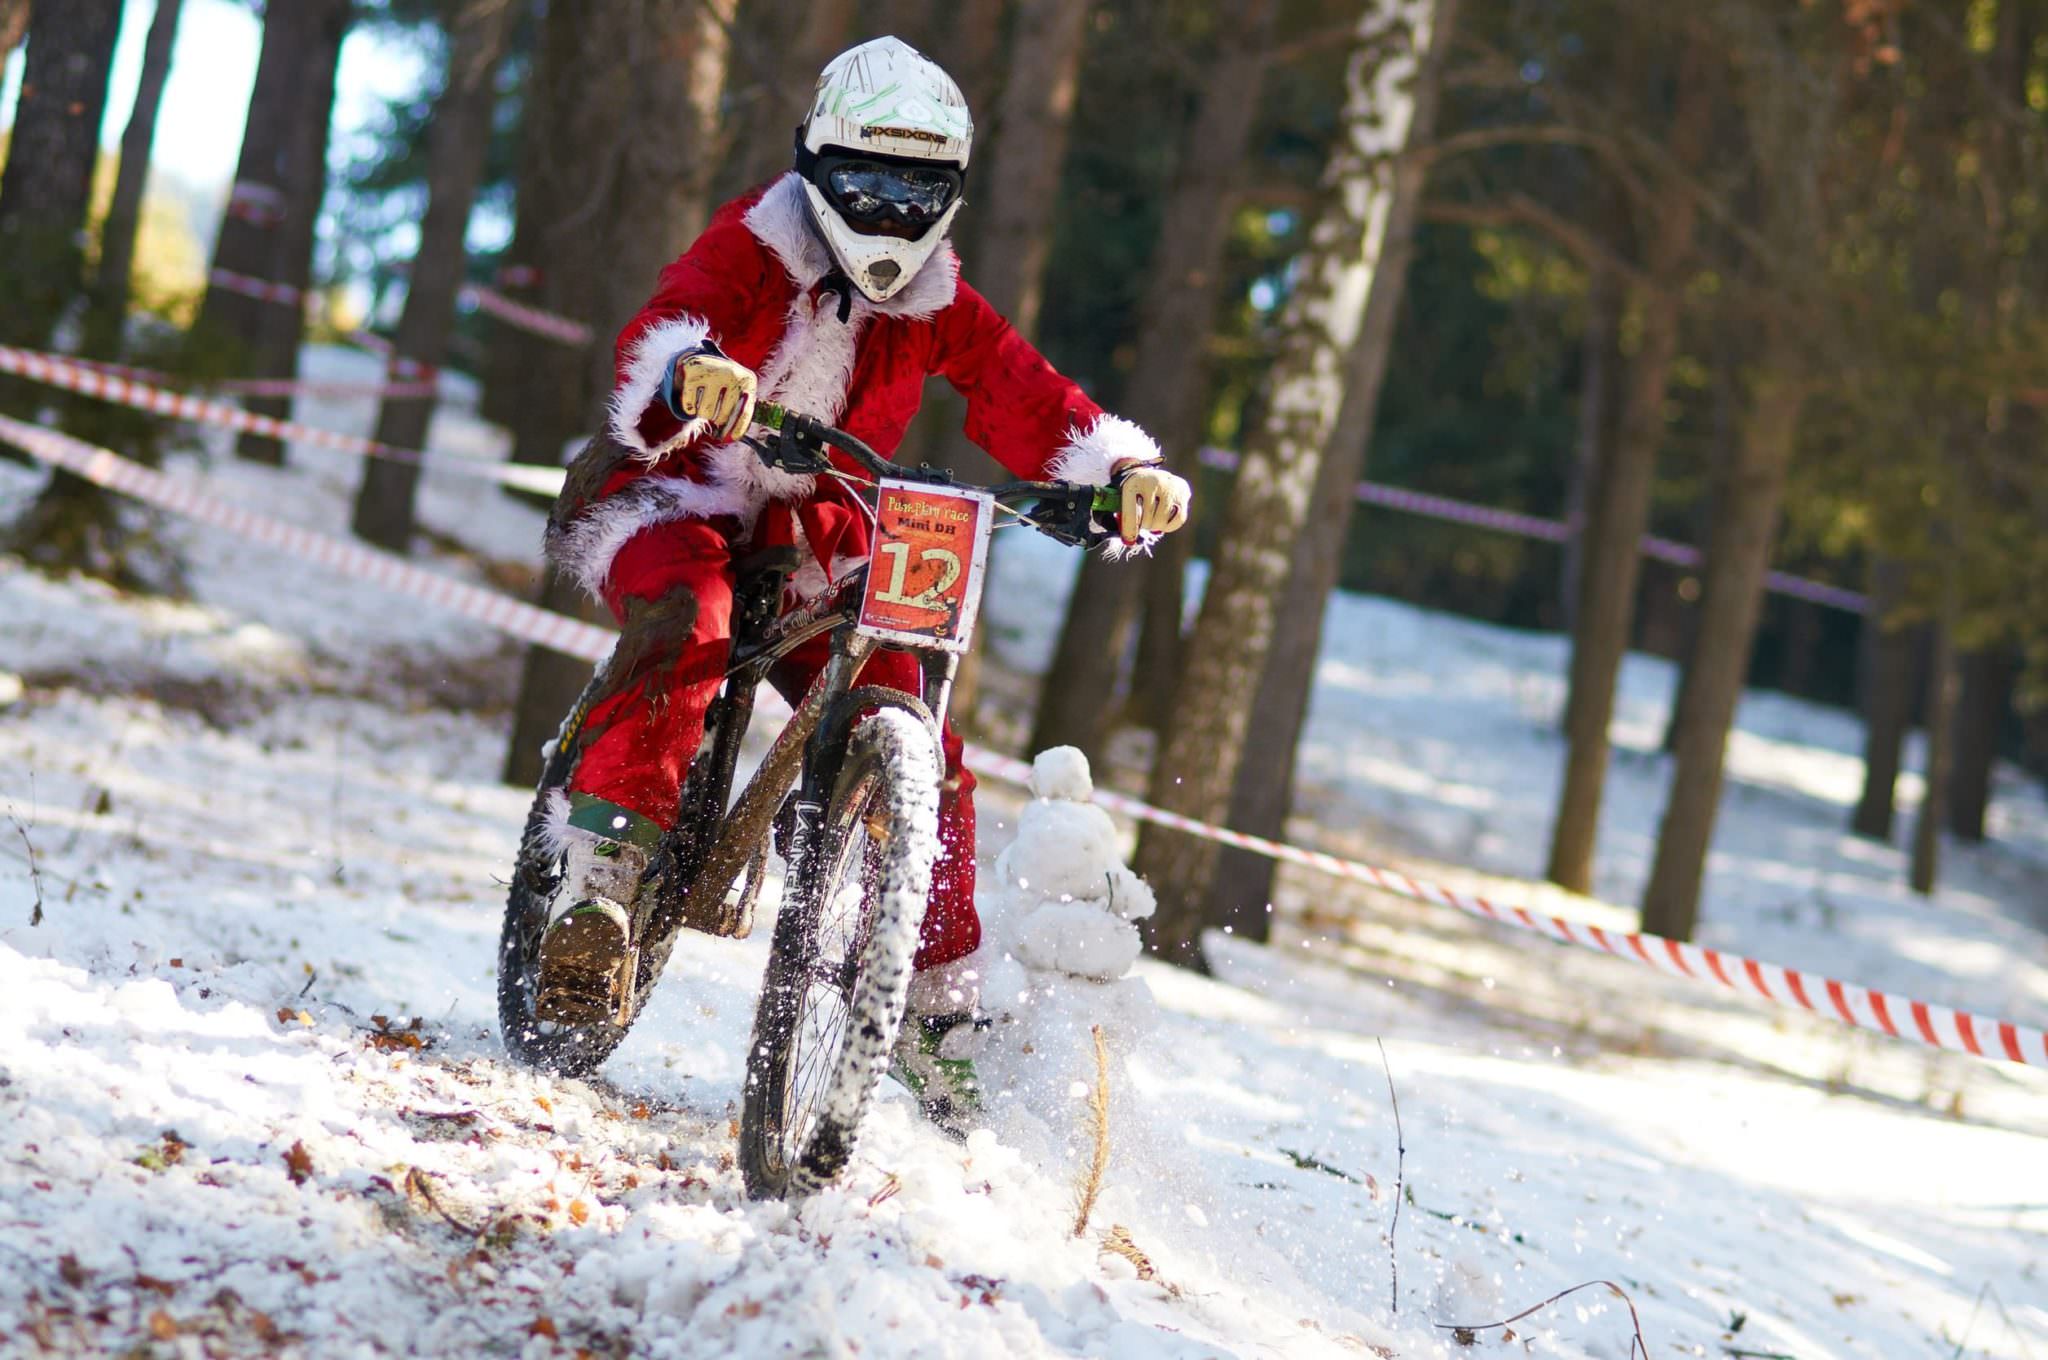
column 1090, row 456
column 780, row 221
column 646, row 369
column 595, row 536
column 554, row 830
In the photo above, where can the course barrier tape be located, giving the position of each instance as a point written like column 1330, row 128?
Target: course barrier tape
column 1865, row 1008
column 514, row 617
column 415, row 381
column 543, row 323
column 1558, row 531
column 263, row 290
column 93, row 382
column 257, row 203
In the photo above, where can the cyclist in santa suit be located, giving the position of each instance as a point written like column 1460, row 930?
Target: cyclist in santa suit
column 833, row 291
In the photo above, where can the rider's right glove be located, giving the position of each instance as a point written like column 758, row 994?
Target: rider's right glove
column 703, row 384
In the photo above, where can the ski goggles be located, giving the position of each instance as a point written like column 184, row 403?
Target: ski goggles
column 872, row 191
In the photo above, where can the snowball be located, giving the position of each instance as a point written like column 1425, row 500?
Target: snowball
column 1062, row 772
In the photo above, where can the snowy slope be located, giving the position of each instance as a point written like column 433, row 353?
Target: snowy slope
column 263, row 819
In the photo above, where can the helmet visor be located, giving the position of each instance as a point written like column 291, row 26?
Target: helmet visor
column 870, row 191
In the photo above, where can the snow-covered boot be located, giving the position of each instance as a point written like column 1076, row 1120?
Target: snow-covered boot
column 586, row 956
column 943, row 1030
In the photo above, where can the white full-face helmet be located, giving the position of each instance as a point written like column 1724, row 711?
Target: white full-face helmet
column 883, row 157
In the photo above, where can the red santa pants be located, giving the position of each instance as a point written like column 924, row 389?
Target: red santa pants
column 644, row 736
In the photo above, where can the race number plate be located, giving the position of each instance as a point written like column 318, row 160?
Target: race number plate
column 924, row 581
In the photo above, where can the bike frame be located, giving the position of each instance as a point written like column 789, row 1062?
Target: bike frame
column 713, row 839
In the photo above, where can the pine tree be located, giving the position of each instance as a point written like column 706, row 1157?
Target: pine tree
column 124, row 212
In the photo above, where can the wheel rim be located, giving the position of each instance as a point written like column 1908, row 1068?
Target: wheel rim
column 823, row 1005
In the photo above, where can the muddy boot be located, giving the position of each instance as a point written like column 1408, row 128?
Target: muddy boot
column 587, row 956
column 942, row 1032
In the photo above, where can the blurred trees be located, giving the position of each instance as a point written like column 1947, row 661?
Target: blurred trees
column 47, row 184
column 1204, row 743
column 113, row 277
column 619, row 158
column 1747, row 272
column 458, row 142
column 267, row 235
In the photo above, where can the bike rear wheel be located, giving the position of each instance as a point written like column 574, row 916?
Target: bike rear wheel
column 839, row 965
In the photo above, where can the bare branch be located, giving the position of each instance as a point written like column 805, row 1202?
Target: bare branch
column 1520, row 210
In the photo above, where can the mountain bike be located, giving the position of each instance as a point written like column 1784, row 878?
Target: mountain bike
column 847, row 793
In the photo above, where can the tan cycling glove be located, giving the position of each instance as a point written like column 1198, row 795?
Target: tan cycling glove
column 712, row 388
column 1155, row 502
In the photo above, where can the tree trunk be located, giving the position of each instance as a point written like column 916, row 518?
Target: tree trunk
column 1989, row 675
column 1014, row 235
column 1075, row 706
column 231, row 324
column 1604, row 300
column 46, row 189
column 281, row 329
column 459, row 138
column 109, row 314
column 778, row 48
column 1621, row 498
column 1942, row 684
column 587, row 141
column 1887, row 684
column 610, row 207
column 1269, row 508
column 13, row 24
column 1738, row 556
column 548, row 685
column 1241, row 895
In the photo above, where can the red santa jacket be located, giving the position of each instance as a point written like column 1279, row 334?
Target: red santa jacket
column 752, row 283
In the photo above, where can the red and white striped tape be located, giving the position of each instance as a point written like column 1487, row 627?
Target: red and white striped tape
column 92, row 381
column 257, row 203
column 1866, row 1008
column 412, row 385
column 526, row 318
column 263, row 290
column 514, row 617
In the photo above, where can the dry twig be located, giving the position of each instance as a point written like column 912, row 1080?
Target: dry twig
column 1465, row 1332
column 1400, row 1173
column 1098, row 1122
column 35, row 873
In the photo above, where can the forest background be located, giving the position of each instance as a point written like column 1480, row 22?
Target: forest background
column 1758, row 275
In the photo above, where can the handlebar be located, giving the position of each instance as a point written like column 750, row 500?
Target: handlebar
column 1062, row 511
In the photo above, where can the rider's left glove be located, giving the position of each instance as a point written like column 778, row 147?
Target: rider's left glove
column 704, row 384
column 1154, row 502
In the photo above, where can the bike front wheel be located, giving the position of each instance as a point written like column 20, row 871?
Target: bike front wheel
column 839, row 964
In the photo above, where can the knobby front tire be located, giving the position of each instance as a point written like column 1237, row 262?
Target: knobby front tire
column 839, row 965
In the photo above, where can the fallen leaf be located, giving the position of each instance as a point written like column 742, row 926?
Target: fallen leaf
column 640, row 1110
column 542, row 1101
column 298, row 1163
column 543, row 1326
column 177, row 963
column 72, row 1273
column 579, row 1212
column 163, row 1326
column 155, row 1286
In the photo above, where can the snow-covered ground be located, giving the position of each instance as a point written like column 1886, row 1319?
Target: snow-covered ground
column 251, row 1102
